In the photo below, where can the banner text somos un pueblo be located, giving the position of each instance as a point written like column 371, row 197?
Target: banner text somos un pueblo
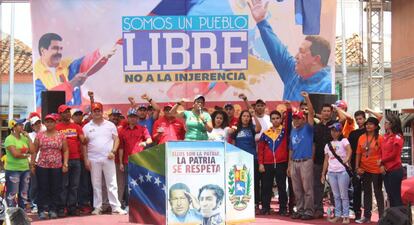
column 185, row 48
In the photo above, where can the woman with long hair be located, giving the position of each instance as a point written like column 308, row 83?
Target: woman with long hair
column 52, row 162
column 244, row 138
column 337, row 175
column 391, row 165
column 367, row 166
column 18, row 149
column 220, row 122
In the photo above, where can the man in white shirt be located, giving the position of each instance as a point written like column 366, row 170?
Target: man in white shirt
column 103, row 141
column 263, row 118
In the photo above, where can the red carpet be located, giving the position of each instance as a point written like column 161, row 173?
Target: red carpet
column 123, row 220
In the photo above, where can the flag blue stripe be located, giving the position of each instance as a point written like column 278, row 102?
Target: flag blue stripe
column 147, row 187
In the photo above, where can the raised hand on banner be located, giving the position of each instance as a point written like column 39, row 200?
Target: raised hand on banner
column 109, row 53
column 304, row 94
column 258, row 9
column 78, row 79
column 193, row 200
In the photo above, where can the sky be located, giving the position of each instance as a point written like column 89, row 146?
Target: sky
column 23, row 24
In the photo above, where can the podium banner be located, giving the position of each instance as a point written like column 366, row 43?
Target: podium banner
column 239, row 186
column 176, row 49
column 195, row 184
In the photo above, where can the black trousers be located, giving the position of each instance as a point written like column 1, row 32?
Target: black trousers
column 369, row 180
column 392, row 183
column 291, row 196
column 280, row 173
column 357, row 192
column 257, row 184
column 50, row 187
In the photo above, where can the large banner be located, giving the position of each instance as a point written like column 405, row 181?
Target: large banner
column 173, row 49
column 195, row 182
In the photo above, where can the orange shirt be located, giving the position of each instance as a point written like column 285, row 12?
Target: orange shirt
column 369, row 159
column 349, row 126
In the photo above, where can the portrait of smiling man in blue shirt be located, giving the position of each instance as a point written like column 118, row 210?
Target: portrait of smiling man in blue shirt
column 307, row 71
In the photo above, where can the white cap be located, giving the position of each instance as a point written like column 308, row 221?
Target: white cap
column 34, row 119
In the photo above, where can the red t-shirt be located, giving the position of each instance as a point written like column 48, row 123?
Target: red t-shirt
column 174, row 130
column 233, row 121
column 129, row 138
column 83, row 123
column 391, row 151
column 71, row 132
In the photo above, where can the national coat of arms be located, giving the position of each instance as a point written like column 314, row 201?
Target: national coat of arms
column 239, row 186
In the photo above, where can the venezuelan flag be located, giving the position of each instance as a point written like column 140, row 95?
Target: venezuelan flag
column 146, row 183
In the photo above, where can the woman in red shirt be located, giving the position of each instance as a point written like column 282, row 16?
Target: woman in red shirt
column 391, row 165
column 52, row 162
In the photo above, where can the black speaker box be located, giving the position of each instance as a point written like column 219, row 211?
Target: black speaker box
column 51, row 100
column 400, row 215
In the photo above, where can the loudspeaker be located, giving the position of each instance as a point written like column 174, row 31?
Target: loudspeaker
column 318, row 100
column 400, row 215
column 51, row 100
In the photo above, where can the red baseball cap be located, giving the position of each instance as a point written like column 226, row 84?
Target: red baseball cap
column 33, row 114
column 50, row 116
column 63, row 108
column 96, row 105
column 299, row 114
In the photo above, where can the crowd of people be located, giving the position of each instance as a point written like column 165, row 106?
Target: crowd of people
column 75, row 162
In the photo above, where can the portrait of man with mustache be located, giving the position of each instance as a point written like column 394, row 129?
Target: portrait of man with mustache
column 52, row 72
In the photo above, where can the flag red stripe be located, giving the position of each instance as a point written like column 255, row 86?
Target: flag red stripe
column 140, row 213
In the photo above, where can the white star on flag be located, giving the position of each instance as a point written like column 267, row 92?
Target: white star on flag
column 163, row 187
column 148, row 176
column 141, row 178
column 134, row 182
column 157, row 181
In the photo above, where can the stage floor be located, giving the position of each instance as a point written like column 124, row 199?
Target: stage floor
column 123, row 220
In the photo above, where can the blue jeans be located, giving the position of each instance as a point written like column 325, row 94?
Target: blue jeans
column 33, row 189
column 339, row 182
column 85, row 187
column 71, row 184
column 17, row 182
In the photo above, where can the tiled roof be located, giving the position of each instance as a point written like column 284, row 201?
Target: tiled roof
column 22, row 56
column 353, row 51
